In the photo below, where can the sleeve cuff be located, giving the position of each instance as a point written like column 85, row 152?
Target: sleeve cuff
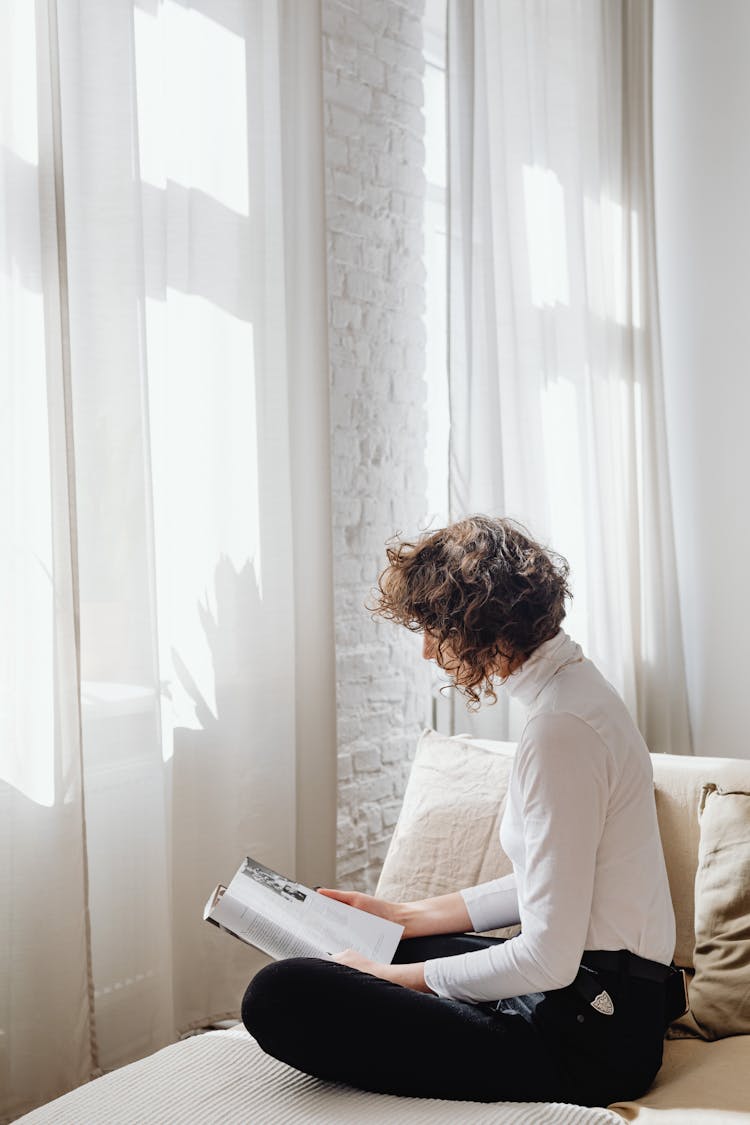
column 435, row 978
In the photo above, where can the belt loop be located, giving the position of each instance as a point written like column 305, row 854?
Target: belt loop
column 624, row 970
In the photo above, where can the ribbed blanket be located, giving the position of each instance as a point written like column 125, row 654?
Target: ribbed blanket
column 223, row 1078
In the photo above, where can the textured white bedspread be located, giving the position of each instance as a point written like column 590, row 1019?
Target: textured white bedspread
column 223, row 1078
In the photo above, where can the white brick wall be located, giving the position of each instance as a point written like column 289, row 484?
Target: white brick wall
column 372, row 53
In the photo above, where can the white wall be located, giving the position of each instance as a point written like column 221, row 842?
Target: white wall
column 702, row 173
column 375, row 192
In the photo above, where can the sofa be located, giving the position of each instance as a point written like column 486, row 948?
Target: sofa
column 447, row 837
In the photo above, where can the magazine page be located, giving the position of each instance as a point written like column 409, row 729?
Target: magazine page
column 286, row 919
column 257, row 929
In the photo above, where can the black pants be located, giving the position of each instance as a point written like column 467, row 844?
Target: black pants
column 337, row 1023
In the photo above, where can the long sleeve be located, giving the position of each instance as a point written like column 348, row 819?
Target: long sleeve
column 493, row 904
column 558, row 798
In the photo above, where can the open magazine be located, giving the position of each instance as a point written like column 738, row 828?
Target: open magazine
column 286, row 919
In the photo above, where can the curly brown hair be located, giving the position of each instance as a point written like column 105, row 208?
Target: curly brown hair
column 483, row 588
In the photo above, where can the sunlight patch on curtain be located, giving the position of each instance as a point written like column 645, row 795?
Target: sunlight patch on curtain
column 18, row 80
column 612, row 261
column 192, row 105
column 27, row 603
column 545, row 236
column 206, row 509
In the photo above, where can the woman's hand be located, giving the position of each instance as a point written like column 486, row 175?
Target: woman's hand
column 446, row 914
column 392, row 911
column 408, row 976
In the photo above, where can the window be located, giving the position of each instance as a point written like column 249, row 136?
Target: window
column 436, row 251
column 437, row 449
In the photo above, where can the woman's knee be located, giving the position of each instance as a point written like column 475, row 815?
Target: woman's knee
column 272, row 992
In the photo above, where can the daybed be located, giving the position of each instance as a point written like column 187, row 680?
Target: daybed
column 446, row 838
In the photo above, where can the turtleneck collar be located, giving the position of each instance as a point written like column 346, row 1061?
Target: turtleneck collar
column 538, row 669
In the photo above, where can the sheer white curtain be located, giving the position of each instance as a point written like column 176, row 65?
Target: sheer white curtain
column 555, row 379
column 165, row 575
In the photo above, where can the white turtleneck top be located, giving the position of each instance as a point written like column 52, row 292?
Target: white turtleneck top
column 580, row 830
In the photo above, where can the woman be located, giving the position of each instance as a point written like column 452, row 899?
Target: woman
column 574, row 1008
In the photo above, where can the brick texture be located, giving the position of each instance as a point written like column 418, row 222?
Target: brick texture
column 375, row 189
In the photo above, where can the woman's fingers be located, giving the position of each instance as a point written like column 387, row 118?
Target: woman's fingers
column 361, row 901
column 344, row 895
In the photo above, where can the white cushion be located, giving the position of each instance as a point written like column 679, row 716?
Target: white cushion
column 446, row 836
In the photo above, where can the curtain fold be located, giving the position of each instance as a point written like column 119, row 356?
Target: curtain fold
column 557, row 414
column 152, row 563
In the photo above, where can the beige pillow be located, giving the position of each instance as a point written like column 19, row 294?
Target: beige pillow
column 446, row 837
column 676, row 805
column 720, row 989
column 680, row 779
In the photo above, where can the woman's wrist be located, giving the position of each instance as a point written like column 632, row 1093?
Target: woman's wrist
column 409, row 976
column 445, row 914
column 422, row 918
column 409, row 916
